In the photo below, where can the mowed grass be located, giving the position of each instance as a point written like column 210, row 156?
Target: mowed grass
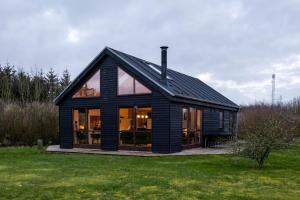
column 27, row 173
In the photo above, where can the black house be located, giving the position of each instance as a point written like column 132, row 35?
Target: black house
column 123, row 102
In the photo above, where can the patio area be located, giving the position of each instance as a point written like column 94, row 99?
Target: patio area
column 187, row 152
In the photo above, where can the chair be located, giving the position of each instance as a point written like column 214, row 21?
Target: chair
column 95, row 137
column 81, row 137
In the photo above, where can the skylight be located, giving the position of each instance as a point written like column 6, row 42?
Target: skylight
column 152, row 66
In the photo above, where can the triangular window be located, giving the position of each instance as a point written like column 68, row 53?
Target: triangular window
column 140, row 88
column 90, row 88
column 128, row 85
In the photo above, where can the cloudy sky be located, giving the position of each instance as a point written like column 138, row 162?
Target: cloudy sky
column 233, row 45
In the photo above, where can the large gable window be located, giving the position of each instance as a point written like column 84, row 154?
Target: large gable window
column 90, row 88
column 128, row 85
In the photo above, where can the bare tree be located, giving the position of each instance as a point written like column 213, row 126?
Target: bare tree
column 23, row 84
column 38, row 86
column 262, row 129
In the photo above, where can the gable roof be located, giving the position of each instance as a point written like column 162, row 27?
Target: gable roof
column 179, row 85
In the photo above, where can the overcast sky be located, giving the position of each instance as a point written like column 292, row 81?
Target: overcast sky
column 233, row 45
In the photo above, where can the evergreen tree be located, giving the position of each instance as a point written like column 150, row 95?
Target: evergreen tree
column 65, row 80
column 52, row 84
column 17, row 85
column 39, row 90
column 7, row 81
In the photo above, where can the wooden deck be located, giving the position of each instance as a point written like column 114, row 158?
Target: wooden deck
column 187, row 152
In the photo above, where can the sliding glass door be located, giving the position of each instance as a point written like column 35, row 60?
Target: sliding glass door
column 135, row 127
column 86, row 126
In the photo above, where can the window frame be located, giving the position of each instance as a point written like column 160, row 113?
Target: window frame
column 195, row 129
column 134, row 128
column 221, row 122
column 134, row 89
column 231, row 122
column 86, row 129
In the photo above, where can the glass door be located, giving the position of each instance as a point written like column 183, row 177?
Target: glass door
column 191, row 126
column 135, row 127
column 86, row 126
column 94, row 128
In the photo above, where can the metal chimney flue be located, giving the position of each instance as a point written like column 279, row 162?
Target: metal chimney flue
column 164, row 63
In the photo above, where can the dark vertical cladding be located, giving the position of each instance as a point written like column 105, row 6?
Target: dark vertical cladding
column 109, row 111
column 109, row 103
column 166, row 112
column 164, row 63
column 160, row 124
column 175, row 127
column 65, row 124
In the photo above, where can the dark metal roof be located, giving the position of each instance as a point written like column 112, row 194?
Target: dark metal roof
column 178, row 85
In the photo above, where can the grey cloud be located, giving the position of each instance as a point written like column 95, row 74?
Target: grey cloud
column 233, row 40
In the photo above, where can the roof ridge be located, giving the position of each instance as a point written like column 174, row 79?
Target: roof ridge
column 130, row 55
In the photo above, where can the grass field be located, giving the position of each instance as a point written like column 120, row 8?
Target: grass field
column 27, row 173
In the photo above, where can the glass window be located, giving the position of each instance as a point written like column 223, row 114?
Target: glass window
column 94, row 119
column 143, row 119
column 91, row 88
column 87, row 126
column 94, row 127
column 231, row 124
column 143, row 126
column 126, row 119
column 184, row 118
column 191, row 126
column 128, row 85
column 126, row 126
column 135, row 125
column 125, row 83
column 221, row 119
column 193, row 119
column 199, row 119
column 140, row 88
column 185, row 136
column 82, row 119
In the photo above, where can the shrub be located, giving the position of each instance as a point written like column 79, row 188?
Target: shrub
column 24, row 124
column 297, row 128
column 262, row 129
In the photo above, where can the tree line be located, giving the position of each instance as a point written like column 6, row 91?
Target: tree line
column 20, row 86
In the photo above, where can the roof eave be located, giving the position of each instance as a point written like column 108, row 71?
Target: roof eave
column 236, row 107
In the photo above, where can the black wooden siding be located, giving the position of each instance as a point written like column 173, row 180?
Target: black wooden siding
column 175, row 127
column 65, row 125
column 109, row 103
column 210, row 121
column 166, row 115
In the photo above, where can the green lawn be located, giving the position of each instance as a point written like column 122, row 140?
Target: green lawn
column 27, row 173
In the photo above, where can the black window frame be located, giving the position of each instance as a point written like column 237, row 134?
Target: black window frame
column 86, row 80
column 86, row 129
column 195, row 129
column 231, row 122
column 134, row 129
column 134, row 89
